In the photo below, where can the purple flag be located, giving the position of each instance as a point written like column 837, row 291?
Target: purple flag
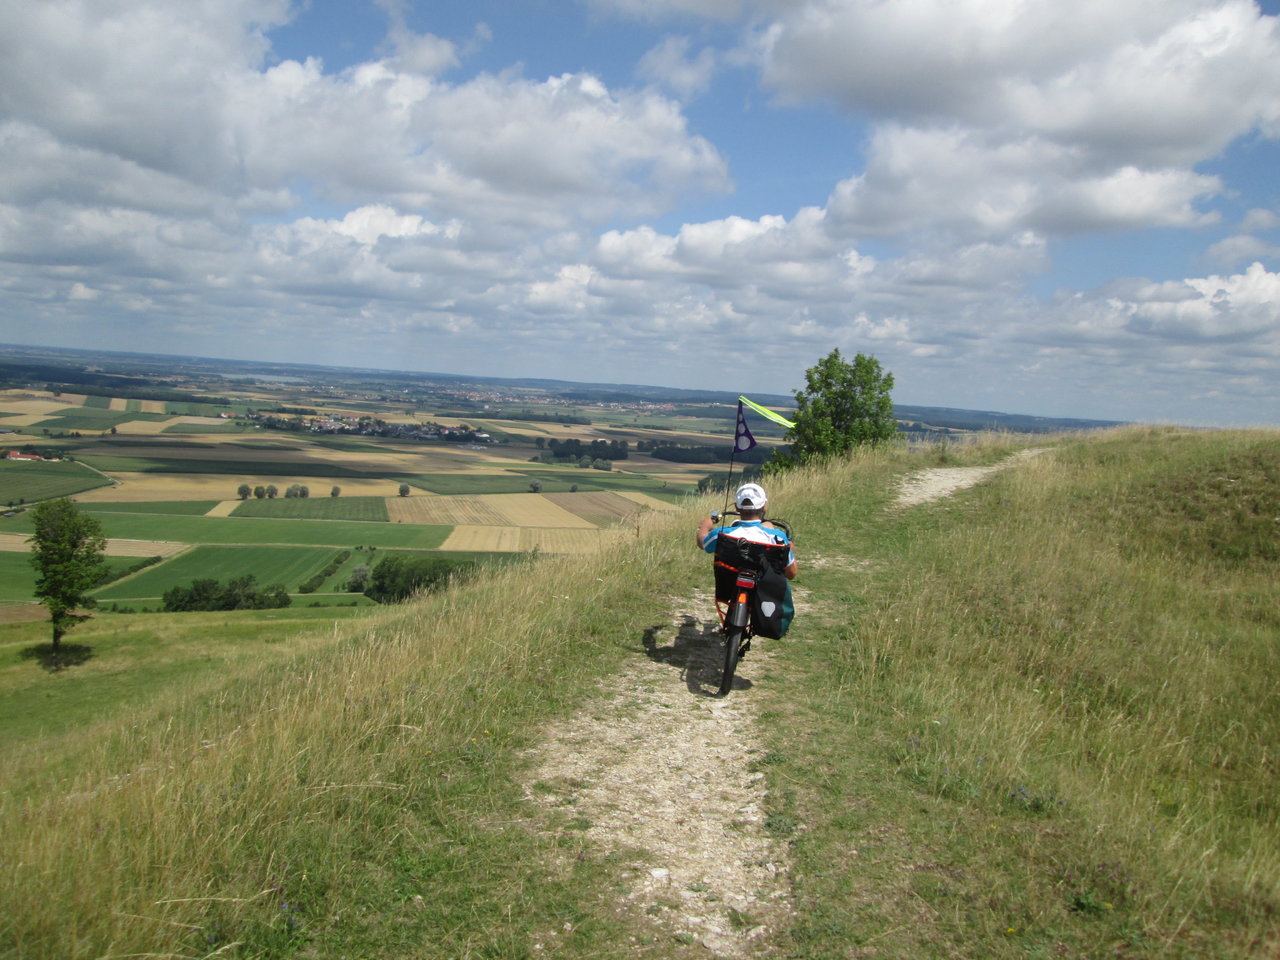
column 742, row 439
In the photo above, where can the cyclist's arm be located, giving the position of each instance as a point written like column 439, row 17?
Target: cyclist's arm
column 704, row 528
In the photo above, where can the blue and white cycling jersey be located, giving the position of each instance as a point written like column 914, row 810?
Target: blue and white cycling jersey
column 753, row 530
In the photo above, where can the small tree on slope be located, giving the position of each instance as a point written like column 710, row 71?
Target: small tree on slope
column 67, row 550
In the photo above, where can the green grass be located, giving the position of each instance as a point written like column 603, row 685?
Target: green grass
column 288, row 566
column 1041, row 714
column 29, row 480
column 18, row 577
column 132, row 659
column 176, row 508
column 371, row 509
column 1017, row 723
column 255, row 531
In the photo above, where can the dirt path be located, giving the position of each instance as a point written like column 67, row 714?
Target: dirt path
column 660, row 771
column 928, row 485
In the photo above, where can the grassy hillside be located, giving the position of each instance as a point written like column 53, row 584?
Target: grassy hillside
column 1036, row 719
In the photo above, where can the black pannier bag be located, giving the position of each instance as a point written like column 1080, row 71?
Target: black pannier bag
column 767, row 561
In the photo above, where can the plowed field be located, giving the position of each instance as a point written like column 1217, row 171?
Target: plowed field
column 601, row 509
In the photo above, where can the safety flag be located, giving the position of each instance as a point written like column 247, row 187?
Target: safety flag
column 763, row 411
column 742, row 438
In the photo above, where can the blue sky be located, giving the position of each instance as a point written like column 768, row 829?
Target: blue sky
column 1066, row 210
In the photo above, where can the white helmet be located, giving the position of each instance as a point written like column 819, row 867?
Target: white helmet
column 750, row 496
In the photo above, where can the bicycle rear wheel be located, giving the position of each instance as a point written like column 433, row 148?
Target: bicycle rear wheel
column 732, row 644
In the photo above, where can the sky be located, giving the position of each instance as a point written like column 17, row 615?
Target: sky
column 1030, row 206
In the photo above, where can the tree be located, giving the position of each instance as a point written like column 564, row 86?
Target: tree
column 67, row 550
column 244, row 491
column 259, row 492
column 404, row 489
column 844, row 405
column 335, row 492
column 359, row 578
column 271, row 491
column 535, row 486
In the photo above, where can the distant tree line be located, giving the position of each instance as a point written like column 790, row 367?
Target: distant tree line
column 242, row 593
column 703, row 453
column 574, row 451
column 529, row 416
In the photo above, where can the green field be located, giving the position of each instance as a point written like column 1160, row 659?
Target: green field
column 278, row 468
column 288, row 566
column 238, row 530
column 184, row 508
column 92, row 418
column 224, row 426
column 18, row 576
column 554, row 480
column 368, row 509
column 136, row 659
column 29, row 480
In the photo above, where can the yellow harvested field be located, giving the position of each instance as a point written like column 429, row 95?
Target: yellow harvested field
column 496, row 539
column 141, row 487
column 644, row 500
column 153, row 406
column 223, row 509
column 143, row 427
column 144, row 548
column 534, row 510
column 24, row 420
column 524, row 539
column 119, row 404
column 450, row 511
column 17, row 543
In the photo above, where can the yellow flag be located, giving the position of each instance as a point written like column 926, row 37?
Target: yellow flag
column 766, row 412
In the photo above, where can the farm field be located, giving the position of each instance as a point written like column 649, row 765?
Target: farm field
column 18, row 576
column 144, row 487
column 369, row 509
column 182, row 508
column 513, row 539
column 287, row 566
column 30, row 480
column 235, row 530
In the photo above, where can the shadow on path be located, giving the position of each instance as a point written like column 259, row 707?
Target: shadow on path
column 696, row 650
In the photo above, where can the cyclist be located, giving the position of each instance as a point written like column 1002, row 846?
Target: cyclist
column 751, row 502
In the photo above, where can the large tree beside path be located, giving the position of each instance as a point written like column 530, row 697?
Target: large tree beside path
column 843, row 405
column 67, row 551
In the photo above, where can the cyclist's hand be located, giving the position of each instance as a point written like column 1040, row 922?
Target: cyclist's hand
column 715, row 515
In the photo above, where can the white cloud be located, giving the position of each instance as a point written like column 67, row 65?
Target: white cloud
column 670, row 65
